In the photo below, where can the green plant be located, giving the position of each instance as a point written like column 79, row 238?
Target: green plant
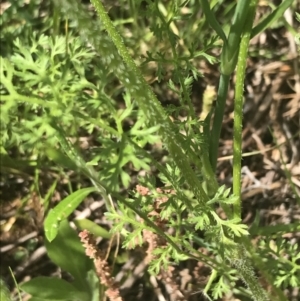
column 60, row 98
column 297, row 38
column 4, row 291
column 66, row 252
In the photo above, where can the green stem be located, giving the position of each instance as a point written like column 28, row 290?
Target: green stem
column 211, row 279
column 245, row 270
column 218, row 118
column 229, row 58
column 231, row 46
column 258, row 262
column 238, row 108
column 151, row 107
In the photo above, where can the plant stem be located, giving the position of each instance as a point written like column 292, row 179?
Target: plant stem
column 218, row 118
column 151, row 107
column 238, row 108
column 259, row 263
column 243, row 266
column 228, row 63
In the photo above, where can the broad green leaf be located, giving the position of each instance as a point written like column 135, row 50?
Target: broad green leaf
column 63, row 210
column 67, row 252
column 85, row 224
column 49, row 288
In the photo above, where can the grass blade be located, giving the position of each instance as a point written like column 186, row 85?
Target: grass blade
column 271, row 18
column 211, row 19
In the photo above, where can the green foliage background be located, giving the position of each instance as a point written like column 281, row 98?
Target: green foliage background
column 64, row 83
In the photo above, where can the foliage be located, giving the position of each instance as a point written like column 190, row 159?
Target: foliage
column 45, row 69
column 66, row 252
column 57, row 87
column 4, row 291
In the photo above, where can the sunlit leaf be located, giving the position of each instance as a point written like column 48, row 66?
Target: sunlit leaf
column 67, row 252
column 63, row 210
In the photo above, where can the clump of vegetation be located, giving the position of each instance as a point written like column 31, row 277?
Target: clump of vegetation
column 81, row 118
